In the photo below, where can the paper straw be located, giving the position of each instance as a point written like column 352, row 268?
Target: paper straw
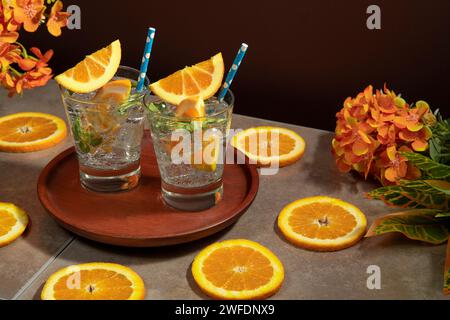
column 146, row 59
column 233, row 70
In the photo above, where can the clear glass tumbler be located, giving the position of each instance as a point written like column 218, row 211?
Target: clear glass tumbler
column 190, row 151
column 107, row 136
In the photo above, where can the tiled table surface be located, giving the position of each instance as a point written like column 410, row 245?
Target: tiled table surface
column 409, row 270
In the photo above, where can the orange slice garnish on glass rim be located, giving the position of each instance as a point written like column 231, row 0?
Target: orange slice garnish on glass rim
column 202, row 79
column 94, row 71
column 30, row 131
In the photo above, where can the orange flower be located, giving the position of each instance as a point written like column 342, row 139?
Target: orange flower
column 30, row 13
column 57, row 19
column 411, row 118
column 7, row 36
column 31, row 79
column 18, row 69
column 395, row 165
column 384, row 103
column 418, row 140
column 8, row 27
column 387, row 134
column 6, row 80
column 370, row 128
column 9, row 54
column 8, row 8
column 37, row 71
column 40, row 61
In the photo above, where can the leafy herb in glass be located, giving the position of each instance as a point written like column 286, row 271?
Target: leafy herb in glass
column 86, row 139
column 167, row 125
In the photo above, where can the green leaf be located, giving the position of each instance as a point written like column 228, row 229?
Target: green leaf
column 440, row 185
column 418, row 194
column 155, row 107
column 430, row 169
column 83, row 146
column 168, row 124
column 85, row 139
column 447, row 271
column 76, row 129
column 133, row 100
column 95, row 140
column 443, row 215
column 419, row 224
column 440, row 141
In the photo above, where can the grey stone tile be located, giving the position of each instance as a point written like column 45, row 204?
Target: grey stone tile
column 410, row 270
column 18, row 179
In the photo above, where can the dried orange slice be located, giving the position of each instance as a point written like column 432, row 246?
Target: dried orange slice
column 238, row 269
column 322, row 223
column 13, row 222
column 94, row 71
column 94, row 281
column 267, row 146
column 30, row 131
column 202, row 79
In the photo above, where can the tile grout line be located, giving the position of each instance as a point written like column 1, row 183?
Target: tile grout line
column 42, row 269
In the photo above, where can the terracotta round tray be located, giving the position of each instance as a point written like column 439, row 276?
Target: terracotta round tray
column 139, row 218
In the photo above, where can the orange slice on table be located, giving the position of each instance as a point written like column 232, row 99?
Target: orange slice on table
column 238, row 269
column 30, row 131
column 322, row 223
column 267, row 146
column 13, row 222
column 202, row 79
column 94, row 281
column 94, row 71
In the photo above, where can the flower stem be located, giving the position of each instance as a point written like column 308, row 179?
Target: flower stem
column 17, row 73
column 24, row 51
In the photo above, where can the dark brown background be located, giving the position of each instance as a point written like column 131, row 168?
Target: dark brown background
column 304, row 58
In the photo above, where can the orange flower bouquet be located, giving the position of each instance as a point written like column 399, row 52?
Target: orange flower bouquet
column 373, row 130
column 20, row 69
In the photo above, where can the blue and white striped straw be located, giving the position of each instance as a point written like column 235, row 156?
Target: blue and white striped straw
column 145, row 59
column 233, row 70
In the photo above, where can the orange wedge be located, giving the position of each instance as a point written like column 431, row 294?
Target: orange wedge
column 322, row 224
column 202, row 79
column 94, row 71
column 13, row 222
column 30, row 131
column 207, row 158
column 191, row 108
column 238, row 269
column 267, row 146
column 116, row 92
column 94, row 281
